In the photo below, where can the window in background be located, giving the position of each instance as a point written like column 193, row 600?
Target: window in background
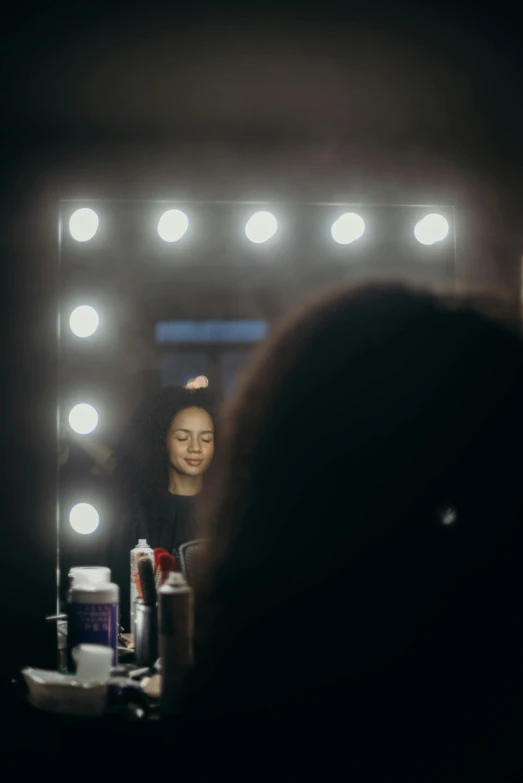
column 217, row 349
column 177, row 368
column 210, row 331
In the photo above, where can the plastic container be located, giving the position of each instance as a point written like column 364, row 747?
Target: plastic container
column 92, row 611
column 77, row 575
column 93, row 663
column 89, row 575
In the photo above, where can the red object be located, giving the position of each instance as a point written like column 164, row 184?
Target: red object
column 166, row 564
column 138, row 585
column 157, row 571
column 156, row 554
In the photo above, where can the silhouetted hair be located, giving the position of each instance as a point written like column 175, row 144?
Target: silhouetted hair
column 367, row 511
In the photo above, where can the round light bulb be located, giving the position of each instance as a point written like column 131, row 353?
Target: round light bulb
column 172, row 225
column 84, row 321
column 83, row 224
column 431, row 229
column 261, row 227
column 84, row 518
column 348, row 228
column 83, row 418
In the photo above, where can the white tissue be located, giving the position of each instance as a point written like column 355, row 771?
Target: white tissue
column 64, row 693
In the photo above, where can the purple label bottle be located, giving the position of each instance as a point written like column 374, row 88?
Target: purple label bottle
column 93, row 617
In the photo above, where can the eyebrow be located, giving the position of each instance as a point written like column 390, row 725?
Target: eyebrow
column 203, row 432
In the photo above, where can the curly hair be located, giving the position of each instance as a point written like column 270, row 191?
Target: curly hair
column 140, row 459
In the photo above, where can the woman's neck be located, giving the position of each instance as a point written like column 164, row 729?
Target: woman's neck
column 184, row 485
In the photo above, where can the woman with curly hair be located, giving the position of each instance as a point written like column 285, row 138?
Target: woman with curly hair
column 158, row 474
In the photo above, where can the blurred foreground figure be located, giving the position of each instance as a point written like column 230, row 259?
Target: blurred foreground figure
column 364, row 575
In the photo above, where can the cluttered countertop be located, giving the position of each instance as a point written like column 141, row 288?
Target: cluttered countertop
column 103, row 671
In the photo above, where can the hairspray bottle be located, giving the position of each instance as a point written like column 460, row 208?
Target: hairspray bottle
column 141, row 548
column 175, row 638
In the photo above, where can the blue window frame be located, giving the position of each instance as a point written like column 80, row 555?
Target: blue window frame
column 210, row 332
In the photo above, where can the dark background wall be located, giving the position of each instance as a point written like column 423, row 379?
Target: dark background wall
column 403, row 103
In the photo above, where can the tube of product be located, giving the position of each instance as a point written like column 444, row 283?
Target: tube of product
column 141, row 548
column 175, row 638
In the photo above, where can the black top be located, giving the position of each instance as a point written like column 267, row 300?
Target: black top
column 166, row 521
column 169, row 522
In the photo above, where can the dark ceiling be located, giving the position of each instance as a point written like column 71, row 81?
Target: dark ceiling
column 411, row 77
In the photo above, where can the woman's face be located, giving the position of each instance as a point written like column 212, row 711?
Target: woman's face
column 190, row 442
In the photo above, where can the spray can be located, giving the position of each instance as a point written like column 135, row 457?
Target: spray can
column 92, row 611
column 175, row 638
column 142, row 548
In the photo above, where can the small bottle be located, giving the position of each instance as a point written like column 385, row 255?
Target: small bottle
column 141, row 548
column 175, row 638
column 92, row 611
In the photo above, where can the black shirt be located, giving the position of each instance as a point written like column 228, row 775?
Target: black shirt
column 166, row 521
column 170, row 520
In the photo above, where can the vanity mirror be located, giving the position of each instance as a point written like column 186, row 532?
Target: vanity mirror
column 155, row 293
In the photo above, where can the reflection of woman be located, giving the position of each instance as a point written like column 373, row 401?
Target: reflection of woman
column 158, row 474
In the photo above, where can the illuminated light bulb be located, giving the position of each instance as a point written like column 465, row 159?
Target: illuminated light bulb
column 348, row 228
column 261, row 227
column 84, row 518
column 449, row 516
column 84, row 321
column 431, row 229
column 172, row 225
column 83, row 224
column 83, row 418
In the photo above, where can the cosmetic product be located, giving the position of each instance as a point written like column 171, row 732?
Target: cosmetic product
column 89, row 575
column 76, row 575
column 146, row 616
column 93, row 617
column 93, row 663
column 176, row 621
column 142, row 548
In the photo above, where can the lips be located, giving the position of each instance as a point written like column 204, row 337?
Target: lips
column 194, row 463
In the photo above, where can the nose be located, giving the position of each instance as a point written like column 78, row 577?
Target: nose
column 194, row 446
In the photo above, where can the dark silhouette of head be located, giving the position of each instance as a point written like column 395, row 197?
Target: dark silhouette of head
column 365, row 530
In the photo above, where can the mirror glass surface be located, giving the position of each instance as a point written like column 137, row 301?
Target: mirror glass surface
column 157, row 293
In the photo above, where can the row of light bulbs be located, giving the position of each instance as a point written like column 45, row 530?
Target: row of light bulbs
column 173, row 224
column 261, row 226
